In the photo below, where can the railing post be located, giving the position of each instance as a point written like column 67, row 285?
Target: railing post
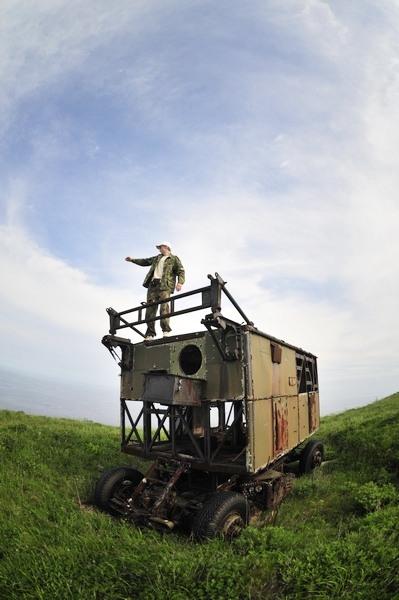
column 123, row 423
column 114, row 320
column 216, row 294
column 206, row 409
column 146, row 426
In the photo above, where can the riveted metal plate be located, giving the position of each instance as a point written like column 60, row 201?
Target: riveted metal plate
column 175, row 350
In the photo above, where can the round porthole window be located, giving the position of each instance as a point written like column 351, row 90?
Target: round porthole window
column 190, row 359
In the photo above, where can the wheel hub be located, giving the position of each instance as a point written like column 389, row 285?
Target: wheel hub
column 232, row 526
column 317, row 458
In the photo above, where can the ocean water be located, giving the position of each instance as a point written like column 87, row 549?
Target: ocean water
column 54, row 398
column 49, row 397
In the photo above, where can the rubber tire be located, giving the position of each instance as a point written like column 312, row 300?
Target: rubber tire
column 306, row 459
column 109, row 482
column 208, row 522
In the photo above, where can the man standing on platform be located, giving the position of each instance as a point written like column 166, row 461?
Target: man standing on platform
column 161, row 283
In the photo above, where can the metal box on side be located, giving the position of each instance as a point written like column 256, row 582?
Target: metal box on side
column 169, row 389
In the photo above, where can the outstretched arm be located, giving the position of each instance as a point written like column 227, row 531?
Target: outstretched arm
column 142, row 262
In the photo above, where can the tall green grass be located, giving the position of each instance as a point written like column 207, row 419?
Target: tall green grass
column 336, row 536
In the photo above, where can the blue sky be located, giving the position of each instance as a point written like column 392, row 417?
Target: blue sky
column 260, row 137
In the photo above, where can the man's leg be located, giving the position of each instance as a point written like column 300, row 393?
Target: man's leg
column 151, row 311
column 165, row 309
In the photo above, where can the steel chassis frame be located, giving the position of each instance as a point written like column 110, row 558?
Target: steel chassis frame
column 218, row 449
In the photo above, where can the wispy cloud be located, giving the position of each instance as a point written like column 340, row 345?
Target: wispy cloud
column 261, row 139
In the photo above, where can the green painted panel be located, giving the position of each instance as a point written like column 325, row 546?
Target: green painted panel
column 223, row 380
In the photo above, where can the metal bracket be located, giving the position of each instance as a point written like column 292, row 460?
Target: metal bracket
column 226, row 326
column 111, row 342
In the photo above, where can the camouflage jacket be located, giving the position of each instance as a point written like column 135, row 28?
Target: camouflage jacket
column 172, row 268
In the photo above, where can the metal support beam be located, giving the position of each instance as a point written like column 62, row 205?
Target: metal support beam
column 230, row 429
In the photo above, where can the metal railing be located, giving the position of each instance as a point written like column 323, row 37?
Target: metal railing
column 210, row 298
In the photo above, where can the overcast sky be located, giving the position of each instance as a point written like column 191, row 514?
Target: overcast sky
column 261, row 138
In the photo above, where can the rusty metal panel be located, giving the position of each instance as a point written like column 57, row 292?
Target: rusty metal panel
column 303, row 416
column 314, row 411
column 280, row 425
column 187, row 391
column 261, row 366
column 293, row 422
column 260, row 433
column 224, row 380
column 171, row 389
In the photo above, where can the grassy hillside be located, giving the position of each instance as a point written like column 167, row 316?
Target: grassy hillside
column 336, row 536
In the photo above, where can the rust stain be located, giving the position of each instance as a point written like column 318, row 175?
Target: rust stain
column 280, row 427
column 313, row 420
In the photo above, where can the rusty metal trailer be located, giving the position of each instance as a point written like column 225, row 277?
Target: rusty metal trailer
column 222, row 412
